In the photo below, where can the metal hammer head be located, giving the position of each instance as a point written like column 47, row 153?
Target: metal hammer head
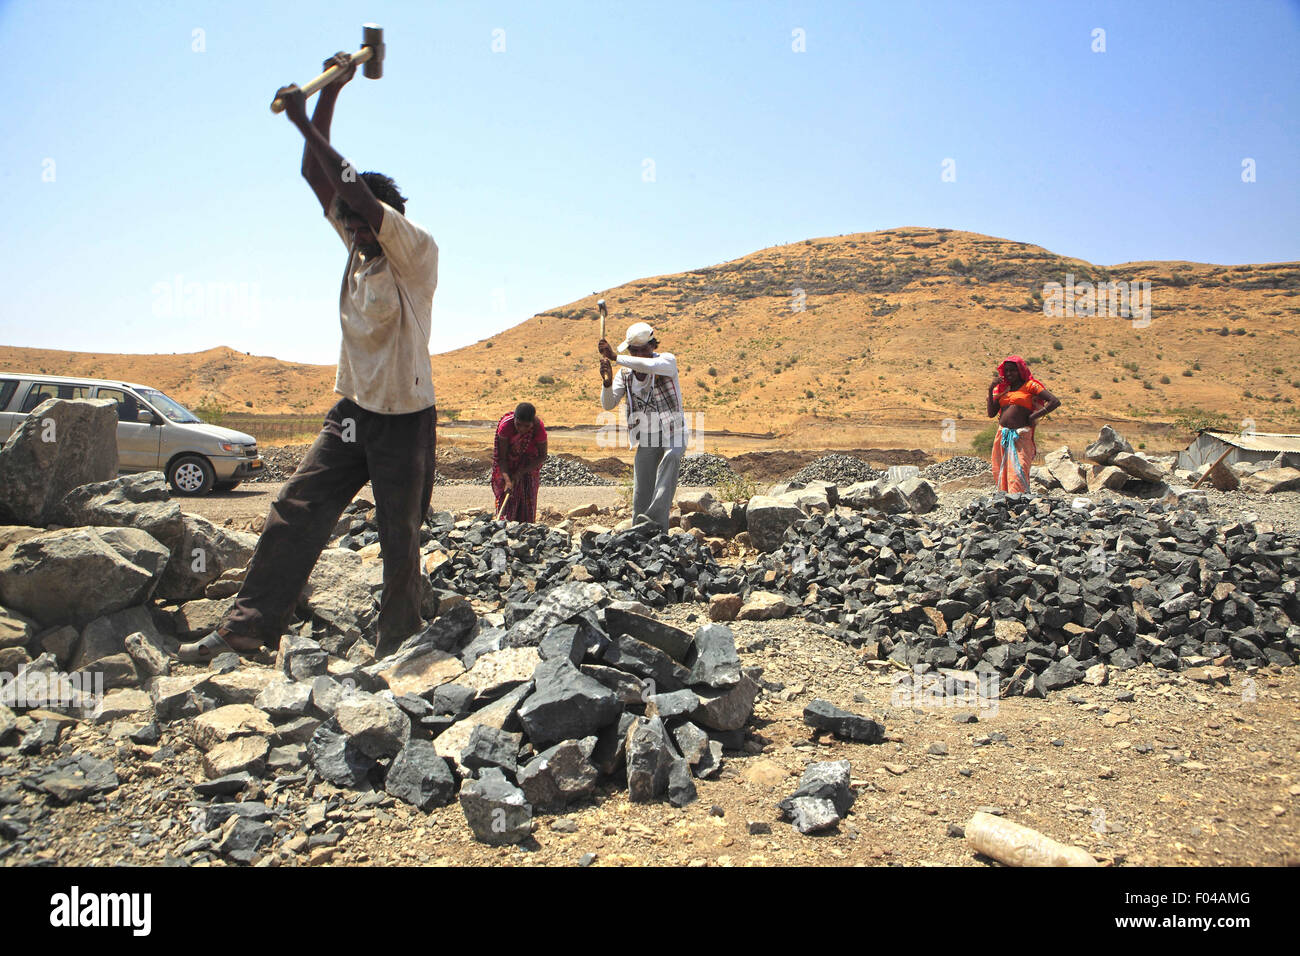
column 372, row 36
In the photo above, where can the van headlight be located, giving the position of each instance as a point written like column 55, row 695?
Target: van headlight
column 227, row 446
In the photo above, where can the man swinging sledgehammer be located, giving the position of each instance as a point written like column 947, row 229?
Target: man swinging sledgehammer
column 655, row 421
column 383, row 430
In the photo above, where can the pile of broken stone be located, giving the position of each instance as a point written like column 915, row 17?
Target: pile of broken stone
column 763, row 520
column 1111, row 463
column 510, row 562
column 566, row 686
column 531, row 707
column 1042, row 593
column 583, row 692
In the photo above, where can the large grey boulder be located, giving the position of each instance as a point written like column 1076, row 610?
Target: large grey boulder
column 878, row 495
column 1271, row 480
column 728, row 709
column 420, row 777
column 719, row 520
column 1106, row 476
column 767, row 519
column 650, row 758
column 920, row 495
column 106, row 637
column 673, row 641
column 337, row 757
column 75, row 575
column 560, row 775
column 1107, row 446
column 128, row 501
column 714, row 662
column 1043, row 478
column 373, row 724
column 1066, row 471
column 823, row 798
column 338, row 595
column 60, row 445
column 561, row 603
column 1139, row 466
column 201, row 553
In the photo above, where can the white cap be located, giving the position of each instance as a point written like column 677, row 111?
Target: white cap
column 638, row 333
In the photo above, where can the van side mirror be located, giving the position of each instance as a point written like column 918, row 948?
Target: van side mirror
column 146, row 417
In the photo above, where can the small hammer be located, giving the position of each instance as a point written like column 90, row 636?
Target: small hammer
column 371, row 54
column 600, row 304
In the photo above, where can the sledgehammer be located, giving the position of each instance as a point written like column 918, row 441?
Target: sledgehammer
column 371, row 54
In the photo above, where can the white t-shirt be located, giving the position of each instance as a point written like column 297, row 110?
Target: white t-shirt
column 385, row 310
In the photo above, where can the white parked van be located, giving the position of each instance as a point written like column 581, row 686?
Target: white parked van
column 154, row 432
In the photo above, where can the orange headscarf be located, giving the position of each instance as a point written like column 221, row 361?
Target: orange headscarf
column 1024, row 394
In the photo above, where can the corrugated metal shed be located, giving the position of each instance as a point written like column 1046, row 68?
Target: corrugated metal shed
column 1259, row 441
column 1254, row 447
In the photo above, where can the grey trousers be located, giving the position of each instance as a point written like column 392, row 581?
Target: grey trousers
column 654, row 472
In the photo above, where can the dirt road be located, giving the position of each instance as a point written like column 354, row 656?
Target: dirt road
column 250, row 501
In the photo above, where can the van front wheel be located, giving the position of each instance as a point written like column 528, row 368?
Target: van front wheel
column 191, row 475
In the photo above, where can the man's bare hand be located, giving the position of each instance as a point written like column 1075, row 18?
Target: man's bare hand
column 295, row 104
column 606, row 372
column 606, row 351
column 343, row 60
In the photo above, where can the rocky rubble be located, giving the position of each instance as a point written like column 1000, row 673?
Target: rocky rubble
column 837, row 469
column 959, row 466
column 704, row 470
column 558, row 470
column 581, row 696
column 1039, row 592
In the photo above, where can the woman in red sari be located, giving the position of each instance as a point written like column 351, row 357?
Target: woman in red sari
column 517, row 456
column 1018, row 400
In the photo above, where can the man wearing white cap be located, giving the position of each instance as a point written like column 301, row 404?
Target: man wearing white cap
column 655, row 421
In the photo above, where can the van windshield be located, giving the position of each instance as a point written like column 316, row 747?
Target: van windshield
column 174, row 411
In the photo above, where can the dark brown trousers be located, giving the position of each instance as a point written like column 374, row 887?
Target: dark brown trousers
column 396, row 454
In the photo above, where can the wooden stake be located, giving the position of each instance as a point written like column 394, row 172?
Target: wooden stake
column 1210, row 469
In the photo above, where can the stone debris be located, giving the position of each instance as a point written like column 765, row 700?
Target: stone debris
column 704, row 470
column 959, row 466
column 496, row 810
column 822, row 715
column 837, row 469
column 535, row 687
column 1026, row 594
column 822, row 799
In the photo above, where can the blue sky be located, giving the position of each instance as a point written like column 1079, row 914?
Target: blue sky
column 147, row 196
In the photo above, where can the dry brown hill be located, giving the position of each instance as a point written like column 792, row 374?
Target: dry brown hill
column 899, row 332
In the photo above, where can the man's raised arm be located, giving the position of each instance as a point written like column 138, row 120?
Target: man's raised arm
column 336, row 173
column 321, row 118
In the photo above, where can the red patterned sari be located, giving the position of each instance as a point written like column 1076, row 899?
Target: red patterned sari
column 520, row 456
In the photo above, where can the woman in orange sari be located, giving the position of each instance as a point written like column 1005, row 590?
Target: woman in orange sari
column 1018, row 401
column 517, row 455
